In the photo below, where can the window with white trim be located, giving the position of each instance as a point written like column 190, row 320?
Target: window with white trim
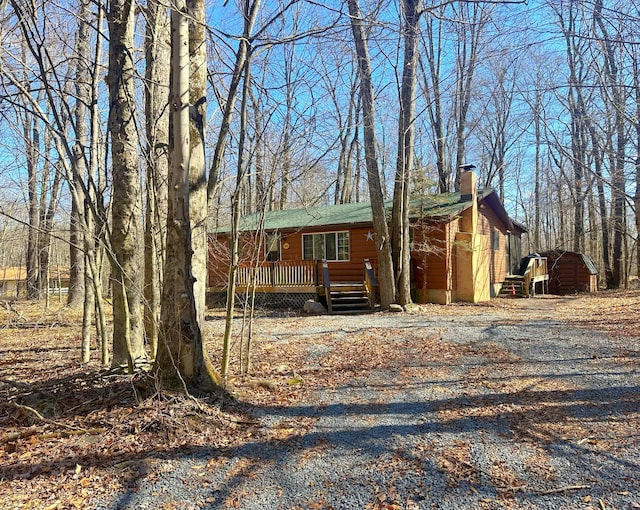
column 328, row 245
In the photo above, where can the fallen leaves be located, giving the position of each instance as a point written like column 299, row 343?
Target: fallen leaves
column 73, row 433
column 455, row 462
column 98, row 433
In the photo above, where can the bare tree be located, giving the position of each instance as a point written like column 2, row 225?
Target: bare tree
column 411, row 12
column 386, row 278
column 126, row 235
column 157, row 56
column 241, row 70
column 431, row 74
column 82, row 84
column 472, row 17
column 55, row 111
column 181, row 358
column 636, row 123
column 615, row 94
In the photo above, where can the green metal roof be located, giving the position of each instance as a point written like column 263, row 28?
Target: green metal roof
column 445, row 205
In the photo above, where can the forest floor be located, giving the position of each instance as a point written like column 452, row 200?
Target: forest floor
column 480, row 400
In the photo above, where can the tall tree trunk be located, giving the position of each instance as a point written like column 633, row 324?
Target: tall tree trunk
column 386, row 279
column 602, row 206
column 537, row 122
column 83, row 94
column 49, row 192
column 181, row 357
column 576, row 105
column 431, row 87
column 467, row 58
column 285, row 181
column 94, row 214
column 31, row 134
column 250, row 13
column 75, row 297
column 126, row 236
column 636, row 196
column 616, row 95
column 157, row 55
column 198, row 206
column 405, row 161
column 235, row 220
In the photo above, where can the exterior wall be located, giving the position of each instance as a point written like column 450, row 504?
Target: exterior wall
column 488, row 224
column 472, row 254
column 361, row 246
column 218, row 261
column 436, row 274
column 427, row 255
column 432, row 262
column 12, row 288
column 13, row 281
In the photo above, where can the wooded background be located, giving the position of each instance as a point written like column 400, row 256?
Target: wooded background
column 543, row 97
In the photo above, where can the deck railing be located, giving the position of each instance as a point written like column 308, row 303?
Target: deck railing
column 370, row 282
column 286, row 274
column 536, row 272
column 326, row 281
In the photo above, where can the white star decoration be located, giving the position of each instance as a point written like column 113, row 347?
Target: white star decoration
column 369, row 236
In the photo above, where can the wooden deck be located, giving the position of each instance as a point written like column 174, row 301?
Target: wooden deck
column 307, row 277
column 535, row 275
column 278, row 277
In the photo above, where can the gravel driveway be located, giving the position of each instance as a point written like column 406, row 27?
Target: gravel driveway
column 475, row 407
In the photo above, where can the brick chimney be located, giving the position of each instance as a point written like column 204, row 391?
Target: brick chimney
column 468, row 192
column 468, row 182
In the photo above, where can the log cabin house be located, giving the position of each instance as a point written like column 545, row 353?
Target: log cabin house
column 463, row 246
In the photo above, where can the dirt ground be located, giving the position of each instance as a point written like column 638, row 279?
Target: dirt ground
column 73, row 434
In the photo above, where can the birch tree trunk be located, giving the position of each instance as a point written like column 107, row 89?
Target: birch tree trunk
column 126, row 236
column 181, row 357
column 198, row 205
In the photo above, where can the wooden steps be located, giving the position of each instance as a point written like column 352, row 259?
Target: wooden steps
column 348, row 298
column 514, row 286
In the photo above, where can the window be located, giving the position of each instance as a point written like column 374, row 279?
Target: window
column 495, row 239
column 272, row 247
column 329, row 245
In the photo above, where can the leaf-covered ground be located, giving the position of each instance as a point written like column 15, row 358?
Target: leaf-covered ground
column 72, row 434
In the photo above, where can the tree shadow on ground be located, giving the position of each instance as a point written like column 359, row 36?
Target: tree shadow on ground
column 525, row 417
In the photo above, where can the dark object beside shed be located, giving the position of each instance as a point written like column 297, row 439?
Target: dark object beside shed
column 571, row 272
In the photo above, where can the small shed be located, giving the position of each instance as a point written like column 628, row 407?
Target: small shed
column 571, row 272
